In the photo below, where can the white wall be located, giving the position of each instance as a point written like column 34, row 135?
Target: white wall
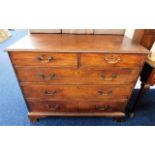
column 129, row 33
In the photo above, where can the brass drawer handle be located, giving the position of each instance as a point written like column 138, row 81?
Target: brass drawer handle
column 50, row 77
column 43, row 59
column 112, row 59
column 41, row 75
column 101, row 93
column 103, row 108
column 53, row 106
column 46, row 92
column 109, row 78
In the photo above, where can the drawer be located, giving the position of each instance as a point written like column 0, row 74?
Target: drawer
column 77, row 76
column 76, row 92
column 68, row 106
column 112, row 60
column 43, row 59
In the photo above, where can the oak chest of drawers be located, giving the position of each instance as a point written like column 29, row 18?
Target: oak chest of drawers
column 76, row 75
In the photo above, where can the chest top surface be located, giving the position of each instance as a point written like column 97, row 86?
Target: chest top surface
column 76, row 43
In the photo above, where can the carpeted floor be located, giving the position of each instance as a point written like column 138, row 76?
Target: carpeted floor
column 13, row 111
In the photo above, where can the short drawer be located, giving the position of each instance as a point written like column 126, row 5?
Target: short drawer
column 77, row 76
column 75, row 106
column 76, row 92
column 43, row 59
column 112, row 60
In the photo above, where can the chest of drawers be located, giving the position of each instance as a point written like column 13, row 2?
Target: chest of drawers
column 76, row 75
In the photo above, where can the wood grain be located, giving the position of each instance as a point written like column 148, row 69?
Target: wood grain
column 74, row 114
column 76, row 43
column 43, row 59
column 112, row 60
column 75, row 106
column 76, row 92
column 76, row 76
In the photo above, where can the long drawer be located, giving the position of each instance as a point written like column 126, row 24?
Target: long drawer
column 43, row 59
column 77, row 76
column 76, row 106
column 76, row 92
column 111, row 60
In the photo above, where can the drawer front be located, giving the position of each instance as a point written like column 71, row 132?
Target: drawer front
column 43, row 59
column 112, row 60
column 77, row 76
column 76, row 92
column 85, row 106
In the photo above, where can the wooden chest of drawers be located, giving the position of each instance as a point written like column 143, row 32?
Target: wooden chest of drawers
column 76, row 75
